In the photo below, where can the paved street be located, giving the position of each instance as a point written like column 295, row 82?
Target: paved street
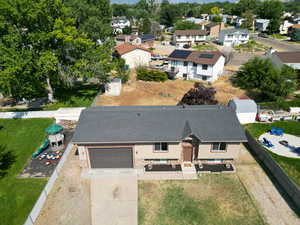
column 278, row 45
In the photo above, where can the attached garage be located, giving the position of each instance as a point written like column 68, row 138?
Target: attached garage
column 111, row 157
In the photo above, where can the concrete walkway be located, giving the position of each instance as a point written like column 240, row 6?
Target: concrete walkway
column 271, row 204
column 114, row 200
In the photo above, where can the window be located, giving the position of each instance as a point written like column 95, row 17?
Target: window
column 194, row 64
column 178, row 36
column 244, row 35
column 185, row 63
column 219, row 147
column 204, row 77
column 161, row 147
column 184, row 75
column 204, row 67
column 230, row 35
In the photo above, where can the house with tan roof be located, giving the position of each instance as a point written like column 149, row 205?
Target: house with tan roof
column 134, row 55
column 189, row 37
column 213, row 29
column 204, row 65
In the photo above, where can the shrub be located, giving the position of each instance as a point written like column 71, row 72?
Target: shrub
column 150, row 75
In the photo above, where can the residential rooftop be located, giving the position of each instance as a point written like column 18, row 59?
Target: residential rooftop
column 190, row 32
column 199, row 57
column 128, row 47
column 144, row 124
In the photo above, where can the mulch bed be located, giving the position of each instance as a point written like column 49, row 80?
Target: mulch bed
column 162, row 168
column 215, row 168
column 38, row 168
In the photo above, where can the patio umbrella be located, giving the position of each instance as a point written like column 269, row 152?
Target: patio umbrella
column 54, row 128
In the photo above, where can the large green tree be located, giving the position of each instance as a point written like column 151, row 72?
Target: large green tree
column 42, row 48
column 269, row 82
column 272, row 10
column 92, row 17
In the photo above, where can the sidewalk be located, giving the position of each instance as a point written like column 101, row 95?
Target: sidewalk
column 271, row 204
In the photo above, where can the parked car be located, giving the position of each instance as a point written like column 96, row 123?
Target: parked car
column 263, row 35
column 186, row 46
column 156, row 57
column 159, row 66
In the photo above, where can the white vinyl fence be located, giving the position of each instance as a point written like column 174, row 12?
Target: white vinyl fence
column 60, row 114
column 33, row 215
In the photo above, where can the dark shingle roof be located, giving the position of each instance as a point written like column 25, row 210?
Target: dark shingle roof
column 289, row 57
column 147, row 37
column 203, row 57
column 130, row 124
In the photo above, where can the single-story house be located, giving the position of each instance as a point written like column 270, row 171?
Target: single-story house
column 291, row 59
column 233, row 37
column 135, row 136
column 204, row 65
column 134, row 55
column 245, row 109
column 189, row 37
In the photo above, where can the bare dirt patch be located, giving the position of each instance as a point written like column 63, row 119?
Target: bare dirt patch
column 69, row 200
column 169, row 92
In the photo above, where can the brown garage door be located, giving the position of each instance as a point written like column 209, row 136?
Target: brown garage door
column 111, row 157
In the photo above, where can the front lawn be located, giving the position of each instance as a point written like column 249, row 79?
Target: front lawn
column 291, row 166
column 210, row 200
column 251, row 46
column 18, row 195
column 278, row 36
column 204, row 47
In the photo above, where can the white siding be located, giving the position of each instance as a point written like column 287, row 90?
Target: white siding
column 137, row 58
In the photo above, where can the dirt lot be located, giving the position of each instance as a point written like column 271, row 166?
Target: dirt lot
column 166, row 93
column 69, row 200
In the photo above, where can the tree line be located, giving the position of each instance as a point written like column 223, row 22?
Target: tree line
column 168, row 13
column 46, row 44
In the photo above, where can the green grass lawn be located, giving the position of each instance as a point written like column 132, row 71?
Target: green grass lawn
column 81, row 95
column 204, row 47
column 18, row 195
column 290, row 165
column 210, row 200
column 278, row 36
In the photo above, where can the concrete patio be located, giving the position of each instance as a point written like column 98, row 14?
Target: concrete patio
column 280, row 149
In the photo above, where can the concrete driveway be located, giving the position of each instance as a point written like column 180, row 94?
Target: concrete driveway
column 114, row 200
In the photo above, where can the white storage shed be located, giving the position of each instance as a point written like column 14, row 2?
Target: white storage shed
column 246, row 109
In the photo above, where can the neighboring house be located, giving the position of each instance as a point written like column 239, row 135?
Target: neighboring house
column 294, row 32
column 118, row 24
column 228, row 19
column 245, row 109
column 261, row 24
column 284, row 27
column 196, row 65
column 146, row 40
column 233, row 37
column 291, row 59
column 189, row 37
column 213, row 29
column 136, row 136
column 134, row 55
column 199, row 21
column 238, row 21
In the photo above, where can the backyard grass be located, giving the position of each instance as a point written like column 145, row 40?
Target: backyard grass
column 18, row 195
column 81, row 95
column 210, row 200
column 291, row 166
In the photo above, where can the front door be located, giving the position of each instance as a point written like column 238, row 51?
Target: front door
column 187, row 149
